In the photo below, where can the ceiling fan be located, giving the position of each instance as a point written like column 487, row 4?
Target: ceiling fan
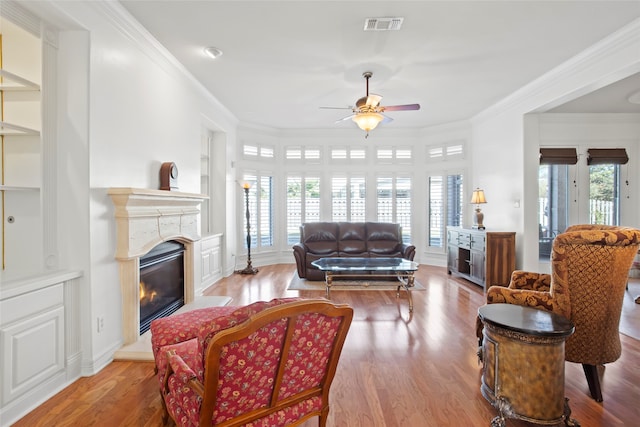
column 367, row 113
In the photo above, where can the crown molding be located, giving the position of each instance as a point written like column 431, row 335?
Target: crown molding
column 123, row 22
column 12, row 11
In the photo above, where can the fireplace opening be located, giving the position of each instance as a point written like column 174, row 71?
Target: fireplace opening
column 161, row 282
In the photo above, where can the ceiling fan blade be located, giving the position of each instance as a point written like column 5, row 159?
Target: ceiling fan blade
column 344, row 118
column 336, row 108
column 386, row 119
column 405, row 107
column 373, row 100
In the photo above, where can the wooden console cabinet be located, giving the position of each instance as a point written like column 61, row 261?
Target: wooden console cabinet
column 486, row 258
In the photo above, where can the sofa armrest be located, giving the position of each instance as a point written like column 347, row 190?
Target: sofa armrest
column 300, row 254
column 408, row 251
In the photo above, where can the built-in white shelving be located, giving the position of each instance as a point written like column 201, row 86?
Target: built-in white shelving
column 11, row 129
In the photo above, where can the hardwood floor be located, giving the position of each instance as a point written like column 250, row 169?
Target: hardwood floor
column 396, row 369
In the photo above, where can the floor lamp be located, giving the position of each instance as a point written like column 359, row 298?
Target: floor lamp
column 248, row 269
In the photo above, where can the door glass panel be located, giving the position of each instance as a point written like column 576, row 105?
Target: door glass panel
column 552, row 205
column 604, row 196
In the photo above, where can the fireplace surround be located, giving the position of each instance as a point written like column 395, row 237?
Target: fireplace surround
column 144, row 219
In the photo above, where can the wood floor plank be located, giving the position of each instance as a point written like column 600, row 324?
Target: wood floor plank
column 397, row 369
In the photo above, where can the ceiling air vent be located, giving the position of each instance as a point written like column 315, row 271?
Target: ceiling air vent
column 382, row 24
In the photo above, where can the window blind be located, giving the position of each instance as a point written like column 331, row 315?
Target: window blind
column 558, row 156
column 603, row 156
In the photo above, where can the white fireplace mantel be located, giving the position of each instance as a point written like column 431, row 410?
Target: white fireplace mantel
column 144, row 219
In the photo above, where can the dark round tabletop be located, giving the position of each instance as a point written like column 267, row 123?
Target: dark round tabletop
column 526, row 320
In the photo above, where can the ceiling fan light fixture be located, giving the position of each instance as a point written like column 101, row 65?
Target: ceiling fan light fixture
column 367, row 121
column 213, row 52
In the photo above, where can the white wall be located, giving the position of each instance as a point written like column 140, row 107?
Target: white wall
column 125, row 107
column 505, row 157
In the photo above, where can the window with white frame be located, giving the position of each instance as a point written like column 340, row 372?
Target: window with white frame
column 308, row 154
column 257, row 152
column 342, row 153
column 394, row 154
column 446, row 152
column 559, row 201
column 604, row 194
column 393, row 202
column 303, row 204
column 445, row 206
column 348, row 198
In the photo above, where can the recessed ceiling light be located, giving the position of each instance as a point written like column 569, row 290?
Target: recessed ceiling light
column 634, row 98
column 213, row 52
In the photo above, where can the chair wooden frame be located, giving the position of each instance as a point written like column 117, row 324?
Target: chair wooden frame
column 291, row 311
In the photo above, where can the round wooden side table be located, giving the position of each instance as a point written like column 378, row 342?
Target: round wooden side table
column 523, row 364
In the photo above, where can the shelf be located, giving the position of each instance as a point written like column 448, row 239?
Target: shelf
column 16, row 83
column 17, row 188
column 11, row 129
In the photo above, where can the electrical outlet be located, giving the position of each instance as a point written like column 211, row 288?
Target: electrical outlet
column 100, row 323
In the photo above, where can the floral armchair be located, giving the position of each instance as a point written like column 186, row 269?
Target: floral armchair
column 589, row 270
column 266, row 364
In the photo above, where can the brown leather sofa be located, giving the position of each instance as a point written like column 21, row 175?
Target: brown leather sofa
column 347, row 239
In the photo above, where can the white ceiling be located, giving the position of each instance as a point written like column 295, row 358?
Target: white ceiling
column 284, row 59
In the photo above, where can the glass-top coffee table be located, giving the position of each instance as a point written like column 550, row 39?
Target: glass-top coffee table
column 364, row 268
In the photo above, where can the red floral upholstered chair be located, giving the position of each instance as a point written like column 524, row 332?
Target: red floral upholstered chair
column 589, row 270
column 267, row 364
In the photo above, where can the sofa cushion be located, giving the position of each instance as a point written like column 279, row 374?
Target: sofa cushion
column 320, row 237
column 352, row 239
column 384, row 239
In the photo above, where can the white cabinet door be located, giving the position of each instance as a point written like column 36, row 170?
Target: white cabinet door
column 32, row 352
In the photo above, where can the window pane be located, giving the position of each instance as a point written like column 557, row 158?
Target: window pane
column 293, row 153
column 445, row 201
column 250, row 150
column 294, row 209
column 312, row 154
column 384, row 190
column 266, row 211
column 403, row 206
column 348, row 199
column 339, row 199
column 553, row 188
column 357, row 200
column 394, row 203
column 358, row 153
column 339, row 153
column 604, row 200
column 436, row 211
column 312, row 199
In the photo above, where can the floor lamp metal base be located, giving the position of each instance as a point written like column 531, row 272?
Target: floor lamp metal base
column 247, row 270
